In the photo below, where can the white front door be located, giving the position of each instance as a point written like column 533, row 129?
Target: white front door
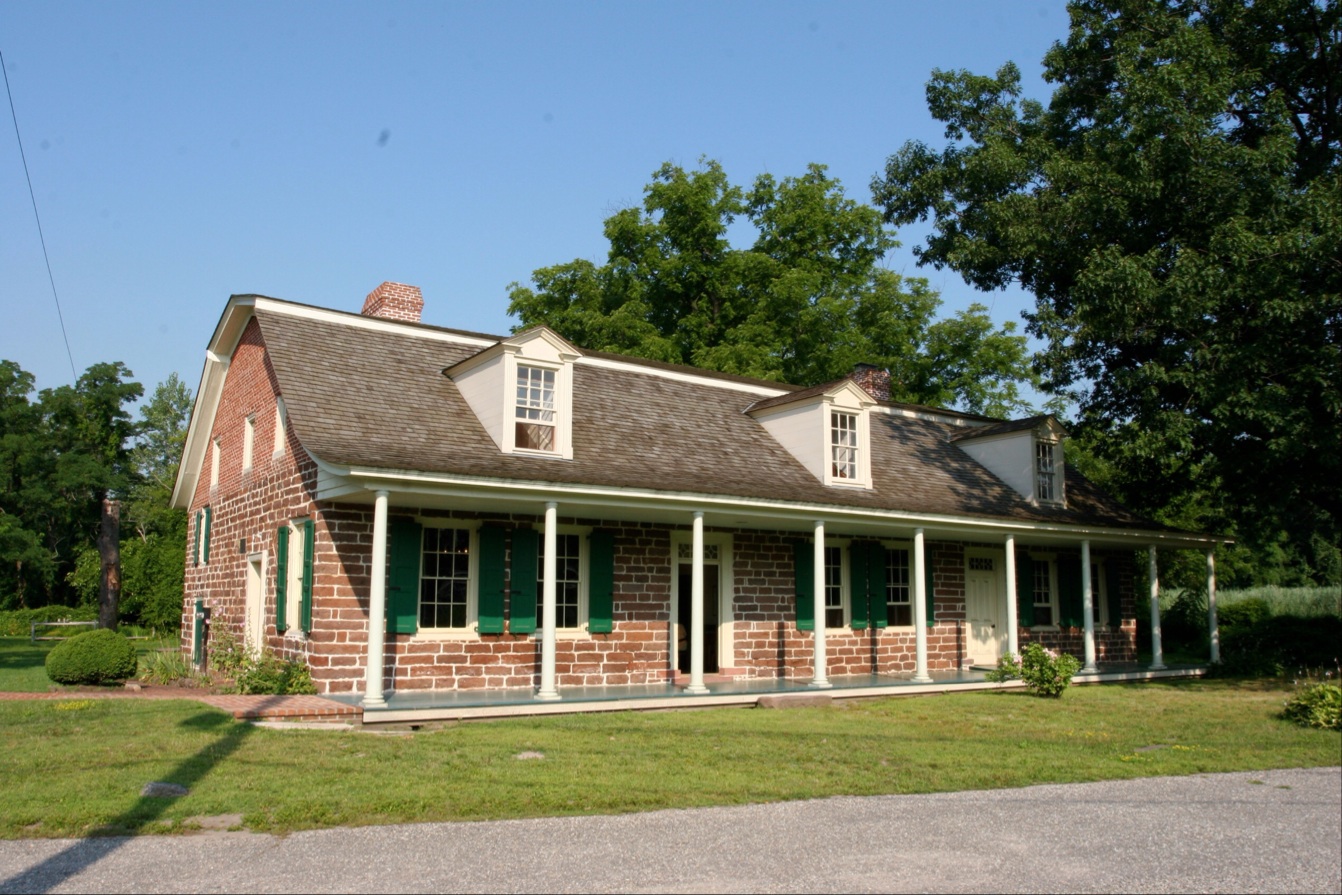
column 983, row 605
column 255, row 604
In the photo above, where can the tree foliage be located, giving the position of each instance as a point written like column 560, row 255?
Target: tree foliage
column 805, row 303
column 1176, row 209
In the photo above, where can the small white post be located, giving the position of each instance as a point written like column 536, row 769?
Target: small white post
column 697, row 608
column 548, row 690
column 1157, row 653
column 377, row 608
column 1211, row 608
column 1087, row 611
column 1013, row 630
column 920, row 674
column 821, row 679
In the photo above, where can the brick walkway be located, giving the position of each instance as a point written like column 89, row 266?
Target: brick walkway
column 244, row 708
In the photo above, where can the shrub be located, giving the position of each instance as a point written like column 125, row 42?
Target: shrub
column 167, row 667
column 1244, row 613
column 1044, row 671
column 270, row 675
column 1281, row 644
column 95, row 657
column 227, row 652
column 1316, row 705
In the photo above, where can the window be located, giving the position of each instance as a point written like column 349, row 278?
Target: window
column 843, row 445
column 293, row 576
column 279, row 426
column 535, row 410
column 833, row 587
column 568, row 581
column 1098, row 594
column 445, row 574
column 1044, row 603
column 898, row 594
column 1044, row 471
column 200, row 550
column 248, row 441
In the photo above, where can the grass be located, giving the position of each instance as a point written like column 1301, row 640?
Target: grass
column 1307, row 602
column 23, row 663
column 76, row 767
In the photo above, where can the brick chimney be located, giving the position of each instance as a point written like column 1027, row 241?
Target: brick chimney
column 874, row 380
column 394, row 301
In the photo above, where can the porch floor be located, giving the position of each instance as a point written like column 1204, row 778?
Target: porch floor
column 438, row 705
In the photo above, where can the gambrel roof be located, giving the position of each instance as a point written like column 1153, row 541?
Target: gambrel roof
column 374, row 396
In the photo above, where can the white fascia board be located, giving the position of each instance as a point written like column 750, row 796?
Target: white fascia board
column 378, row 324
column 804, row 514
column 237, row 314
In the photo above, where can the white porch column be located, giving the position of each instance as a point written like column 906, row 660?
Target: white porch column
column 697, row 607
column 1013, row 631
column 377, row 607
column 821, row 678
column 1211, row 608
column 548, row 690
column 1088, row 610
column 920, row 674
column 1157, row 653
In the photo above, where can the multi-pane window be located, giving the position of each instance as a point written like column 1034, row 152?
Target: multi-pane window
column 843, row 445
column 444, row 578
column 1043, row 592
column 1043, row 471
column 1097, row 595
column 535, row 410
column 567, row 578
column 833, row 587
column 898, row 599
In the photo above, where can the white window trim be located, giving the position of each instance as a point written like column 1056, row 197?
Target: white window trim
column 1058, row 481
column 913, row 589
column 1052, row 560
column 248, row 442
column 845, row 592
column 1099, row 593
column 471, row 630
column 563, row 405
column 214, row 464
column 862, row 417
column 293, row 593
column 281, row 422
column 584, row 578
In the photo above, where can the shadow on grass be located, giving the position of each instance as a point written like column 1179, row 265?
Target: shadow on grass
column 105, row 840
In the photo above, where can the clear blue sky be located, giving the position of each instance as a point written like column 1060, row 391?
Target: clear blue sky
column 182, row 152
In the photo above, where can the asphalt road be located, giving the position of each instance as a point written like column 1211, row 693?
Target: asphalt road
column 1267, row 831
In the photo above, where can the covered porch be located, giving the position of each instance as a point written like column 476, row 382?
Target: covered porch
column 447, row 705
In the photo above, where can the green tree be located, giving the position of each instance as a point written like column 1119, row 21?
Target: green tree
column 1176, row 210
column 805, row 303
column 27, row 567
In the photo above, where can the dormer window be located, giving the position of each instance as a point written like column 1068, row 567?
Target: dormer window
column 1044, row 474
column 535, row 411
column 843, row 445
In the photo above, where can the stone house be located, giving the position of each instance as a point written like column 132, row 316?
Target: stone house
column 409, row 508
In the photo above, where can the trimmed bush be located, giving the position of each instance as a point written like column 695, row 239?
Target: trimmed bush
column 1244, row 613
column 95, row 657
column 1283, row 644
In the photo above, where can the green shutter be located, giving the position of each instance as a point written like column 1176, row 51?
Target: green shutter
column 1113, row 586
column 522, row 581
column 929, row 577
column 205, row 542
column 195, row 539
column 858, row 562
column 876, row 585
column 489, row 597
column 405, row 543
column 305, row 606
column 601, row 586
column 804, row 562
column 1069, row 591
column 1025, row 590
column 281, row 578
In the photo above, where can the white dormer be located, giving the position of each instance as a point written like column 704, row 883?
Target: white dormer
column 522, row 391
column 1025, row 454
column 827, row 428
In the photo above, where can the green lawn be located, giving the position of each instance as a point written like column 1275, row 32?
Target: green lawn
column 23, row 663
column 76, row 766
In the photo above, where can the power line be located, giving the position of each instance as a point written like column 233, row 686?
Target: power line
column 40, row 235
